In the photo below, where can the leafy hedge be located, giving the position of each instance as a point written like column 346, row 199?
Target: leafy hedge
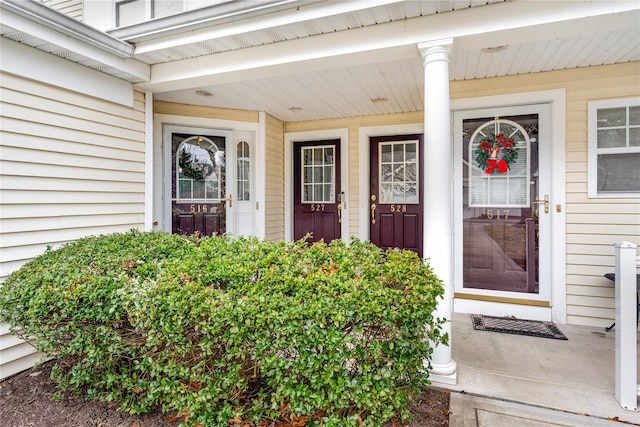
column 223, row 330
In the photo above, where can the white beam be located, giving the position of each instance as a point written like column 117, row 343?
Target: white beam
column 254, row 23
column 75, row 45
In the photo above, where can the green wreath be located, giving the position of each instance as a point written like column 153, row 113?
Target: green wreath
column 496, row 154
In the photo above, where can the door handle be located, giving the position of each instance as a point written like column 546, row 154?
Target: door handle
column 545, row 202
column 373, row 213
column 340, row 213
column 230, row 200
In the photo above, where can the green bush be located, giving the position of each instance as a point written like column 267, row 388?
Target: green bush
column 222, row 329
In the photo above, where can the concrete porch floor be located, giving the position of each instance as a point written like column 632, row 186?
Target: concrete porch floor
column 514, row 380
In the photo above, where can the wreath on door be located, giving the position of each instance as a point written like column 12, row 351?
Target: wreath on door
column 496, row 154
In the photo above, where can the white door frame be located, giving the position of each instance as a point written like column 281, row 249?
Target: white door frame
column 164, row 126
column 557, row 311
column 289, row 139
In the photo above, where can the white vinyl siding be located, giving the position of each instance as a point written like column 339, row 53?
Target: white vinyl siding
column 71, row 166
column 71, row 8
column 274, row 185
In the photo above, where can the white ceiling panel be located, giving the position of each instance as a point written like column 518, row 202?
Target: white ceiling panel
column 329, row 89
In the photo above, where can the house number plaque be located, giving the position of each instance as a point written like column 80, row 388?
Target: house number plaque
column 200, row 208
column 498, row 213
column 398, row 208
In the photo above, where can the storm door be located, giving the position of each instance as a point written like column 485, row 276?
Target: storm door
column 316, row 187
column 505, row 206
column 198, row 184
column 395, row 199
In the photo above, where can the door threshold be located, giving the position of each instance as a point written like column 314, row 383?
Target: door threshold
column 507, row 300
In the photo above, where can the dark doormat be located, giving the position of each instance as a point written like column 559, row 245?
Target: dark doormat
column 508, row 325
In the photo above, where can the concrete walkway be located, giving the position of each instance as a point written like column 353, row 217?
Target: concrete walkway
column 512, row 380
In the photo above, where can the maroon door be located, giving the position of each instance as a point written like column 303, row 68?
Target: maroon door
column 197, row 190
column 500, row 224
column 316, row 188
column 395, row 201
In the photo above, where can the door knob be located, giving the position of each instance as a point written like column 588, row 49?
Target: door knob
column 373, row 213
column 545, row 202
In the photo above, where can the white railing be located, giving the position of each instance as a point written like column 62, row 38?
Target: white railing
column 627, row 390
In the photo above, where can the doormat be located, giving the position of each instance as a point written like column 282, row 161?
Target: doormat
column 509, row 325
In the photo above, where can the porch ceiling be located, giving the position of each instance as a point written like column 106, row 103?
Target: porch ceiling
column 329, row 68
column 308, row 60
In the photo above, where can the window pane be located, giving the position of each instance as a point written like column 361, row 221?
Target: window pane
column 411, row 172
column 308, row 156
column 198, row 190
column 166, row 7
column 386, row 173
column 398, row 153
column 385, row 193
column 317, row 156
column 619, row 173
column 610, row 138
column 328, row 174
column 398, row 173
column 308, row 175
column 634, row 137
column 634, row 116
column 308, row 193
column 386, row 154
column 129, row 13
column 411, row 193
column 411, row 152
column 608, row 117
column 184, row 188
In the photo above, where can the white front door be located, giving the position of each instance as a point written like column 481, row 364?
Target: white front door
column 503, row 206
column 242, row 194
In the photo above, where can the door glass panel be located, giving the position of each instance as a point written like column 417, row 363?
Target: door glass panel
column 243, row 176
column 398, row 172
column 198, row 184
column 318, row 174
column 199, row 169
column 500, row 226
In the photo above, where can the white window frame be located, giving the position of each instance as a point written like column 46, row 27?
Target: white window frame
column 593, row 149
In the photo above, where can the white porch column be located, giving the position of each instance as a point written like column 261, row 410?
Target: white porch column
column 626, row 326
column 438, row 190
column 149, row 222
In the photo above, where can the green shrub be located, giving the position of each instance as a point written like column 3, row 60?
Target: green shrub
column 222, row 329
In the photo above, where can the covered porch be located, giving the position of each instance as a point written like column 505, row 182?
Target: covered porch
column 534, row 380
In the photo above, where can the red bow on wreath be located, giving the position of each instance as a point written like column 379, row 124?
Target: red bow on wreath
column 489, row 150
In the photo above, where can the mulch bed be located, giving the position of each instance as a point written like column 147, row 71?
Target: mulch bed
column 26, row 400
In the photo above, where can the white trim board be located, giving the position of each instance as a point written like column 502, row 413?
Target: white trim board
column 34, row 64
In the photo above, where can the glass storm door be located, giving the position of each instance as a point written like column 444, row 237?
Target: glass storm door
column 317, row 204
column 505, row 206
column 395, row 200
column 198, row 184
